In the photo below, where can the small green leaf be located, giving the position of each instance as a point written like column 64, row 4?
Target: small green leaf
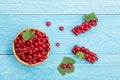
column 32, row 35
column 80, row 55
column 69, row 70
column 91, row 16
column 68, row 60
column 27, row 35
column 62, row 72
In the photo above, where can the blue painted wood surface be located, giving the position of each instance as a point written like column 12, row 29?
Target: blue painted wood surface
column 59, row 6
column 103, row 39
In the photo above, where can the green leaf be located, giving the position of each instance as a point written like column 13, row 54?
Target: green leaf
column 68, row 60
column 69, row 70
column 62, row 71
column 91, row 16
column 27, row 35
column 80, row 55
column 32, row 35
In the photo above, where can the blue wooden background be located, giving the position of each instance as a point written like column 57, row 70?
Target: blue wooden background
column 104, row 39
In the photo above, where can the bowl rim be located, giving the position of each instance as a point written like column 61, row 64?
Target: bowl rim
column 21, row 61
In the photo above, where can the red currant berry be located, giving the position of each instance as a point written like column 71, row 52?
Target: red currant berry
column 70, row 65
column 34, row 62
column 30, row 63
column 30, row 57
column 74, row 51
column 64, row 66
column 96, row 59
column 61, row 28
column 48, row 23
column 92, row 61
column 57, row 44
column 73, row 30
column 23, row 56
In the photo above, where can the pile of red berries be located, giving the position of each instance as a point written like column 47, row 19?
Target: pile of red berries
column 64, row 66
column 85, row 26
column 89, row 56
column 34, row 50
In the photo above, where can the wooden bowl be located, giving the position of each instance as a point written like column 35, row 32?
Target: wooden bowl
column 21, row 61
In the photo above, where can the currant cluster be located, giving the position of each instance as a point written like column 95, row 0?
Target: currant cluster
column 85, row 26
column 64, row 66
column 34, row 50
column 89, row 56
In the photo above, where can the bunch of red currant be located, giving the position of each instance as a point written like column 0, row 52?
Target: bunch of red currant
column 85, row 26
column 89, row 56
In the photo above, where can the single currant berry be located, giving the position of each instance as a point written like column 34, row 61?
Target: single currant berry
column 74, row 51
column 35, row 44
column 82, row 49
column 86, row 23
column 30, row 57
column 57, row 44
column 64, row 66
column 48, row 23
column 61, row 28
column 69, row 65
column 41, row 59
column 26, row 60
column 39, row 55
column 93, row 23
column 40, row 48
column 73, row 30
column 43, row 53
column 45, row 57
column 92, row 61
column 96, row 59
column 23, row 56
column 32, row 46
column 19, row 42
column 30, row 63
column 34, row 62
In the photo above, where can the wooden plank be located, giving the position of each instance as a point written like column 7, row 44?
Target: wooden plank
column 107, row 68
column 102, row 39
column 59, row 6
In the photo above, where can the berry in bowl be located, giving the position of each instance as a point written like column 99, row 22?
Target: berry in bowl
column 31, row 47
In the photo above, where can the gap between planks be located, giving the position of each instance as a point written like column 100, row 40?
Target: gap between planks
column 56, row 14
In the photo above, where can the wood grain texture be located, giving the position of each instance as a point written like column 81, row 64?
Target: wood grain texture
column 59, row 6
column 105, row 69
column 102, row 39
